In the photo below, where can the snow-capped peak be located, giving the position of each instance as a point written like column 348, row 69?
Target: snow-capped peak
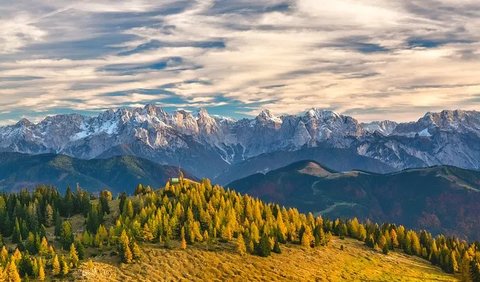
column 152, row 133
column 321, row 114
column 266, row 115
column 385, row 127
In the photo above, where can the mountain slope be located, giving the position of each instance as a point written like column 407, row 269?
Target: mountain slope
column 118, row 173
column 441, row 199
column 207, row 145
column 336, row 158
column 354, row 263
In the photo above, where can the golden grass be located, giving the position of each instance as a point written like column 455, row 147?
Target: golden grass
column 220, row 263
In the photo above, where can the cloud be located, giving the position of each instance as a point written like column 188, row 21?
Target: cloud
column 367, row 58
column 17, row 33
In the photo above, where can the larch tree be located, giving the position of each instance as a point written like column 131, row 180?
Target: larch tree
column 241, row 247
column 12, row 273
column 73, row 255
column 56, row 268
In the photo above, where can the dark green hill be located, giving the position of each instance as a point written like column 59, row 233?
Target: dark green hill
column 338, row 159
column 441, row 199
column 118, row 174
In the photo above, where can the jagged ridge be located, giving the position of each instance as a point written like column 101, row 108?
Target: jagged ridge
column 207, row 145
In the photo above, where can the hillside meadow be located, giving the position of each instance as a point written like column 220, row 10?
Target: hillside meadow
column 341, row 260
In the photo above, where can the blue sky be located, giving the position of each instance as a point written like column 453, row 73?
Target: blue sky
column 369, row 59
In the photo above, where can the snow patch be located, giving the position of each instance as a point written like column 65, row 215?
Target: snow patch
column 424, row 133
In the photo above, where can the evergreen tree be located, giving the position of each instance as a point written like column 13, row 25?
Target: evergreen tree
column 122, row 202
column 49, row 215
column 68, row 203
column 105, row 198
column 58, row 223
column 80, row 249
column 276, row 248
column 385, row 249
column 475, row 270
column 66, row 235
column 263, row 247
column 17, row 233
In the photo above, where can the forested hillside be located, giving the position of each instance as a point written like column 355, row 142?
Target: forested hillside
column 121, row 173
column 46, row 234
column 440, row 199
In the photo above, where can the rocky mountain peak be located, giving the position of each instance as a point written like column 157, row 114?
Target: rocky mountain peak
column 24, row 123
column 267, row 115
column 321, row 114
column 384, row 127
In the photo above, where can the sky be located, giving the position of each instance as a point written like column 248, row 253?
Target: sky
column 373, row 60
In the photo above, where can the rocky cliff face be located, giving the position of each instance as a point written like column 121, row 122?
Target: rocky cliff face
column 206, row 145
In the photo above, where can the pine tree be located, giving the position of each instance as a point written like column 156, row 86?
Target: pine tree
column 385, row 249
column 58, row 223
column 263, row 247
column 276, row 248
column 66, row 235
column 49, row 220
column 475, row 270
column 122, row 202
column 17, row 233
column 370, row 242
column 105, row 197
column 68, row 203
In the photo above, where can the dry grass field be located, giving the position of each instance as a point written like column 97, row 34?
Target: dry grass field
column 220, row 263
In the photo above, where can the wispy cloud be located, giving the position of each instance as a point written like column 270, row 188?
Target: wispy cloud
column 366, row 58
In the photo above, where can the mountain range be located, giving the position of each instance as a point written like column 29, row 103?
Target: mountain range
column 441, row 199
column 118, row 174
column 226, row 149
